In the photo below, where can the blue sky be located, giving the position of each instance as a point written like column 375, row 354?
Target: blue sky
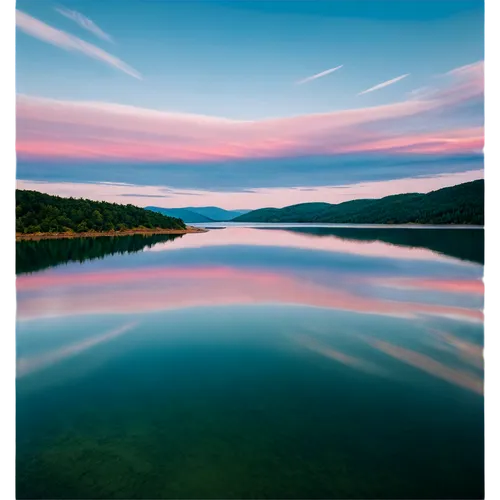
column 242, row 60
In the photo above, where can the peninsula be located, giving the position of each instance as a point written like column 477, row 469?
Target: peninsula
column 42, row 216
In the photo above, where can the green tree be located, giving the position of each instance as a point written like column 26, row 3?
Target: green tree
column 97, row 218
column 82, row 227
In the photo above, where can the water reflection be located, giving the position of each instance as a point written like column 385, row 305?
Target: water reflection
column 284, row 238
column 32, row 256
column 162, row 289
column 251, row 266
column 471, row 354
column 28, row 365
column 460, row 376
column 336, row 367
column 317, row 346
column 254, row 267
column 448, row 241
column 429, row 365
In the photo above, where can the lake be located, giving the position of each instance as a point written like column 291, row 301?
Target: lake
column 252, row 362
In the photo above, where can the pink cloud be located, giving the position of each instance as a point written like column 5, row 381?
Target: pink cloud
column 50, row 128
column 451, row 141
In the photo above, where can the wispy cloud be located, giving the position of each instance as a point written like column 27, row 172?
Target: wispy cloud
column 42, row 31
column 365, row 144
column 419, row 92
column 318, row 75
column 476, row 68
column 140, row 195
column 257, row 198
column 384, row 84
column 98, row 130
column 85, row 23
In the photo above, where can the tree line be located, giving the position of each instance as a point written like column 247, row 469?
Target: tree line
column 42, row 213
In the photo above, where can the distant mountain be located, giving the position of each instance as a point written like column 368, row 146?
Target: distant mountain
column 216, row 213
column 461, row 204
column 199, row 214
column 185, row 214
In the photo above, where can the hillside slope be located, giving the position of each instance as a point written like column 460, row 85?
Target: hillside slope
column 187, row 215
column 461, row 204
column 199, row 214
column 217, row 213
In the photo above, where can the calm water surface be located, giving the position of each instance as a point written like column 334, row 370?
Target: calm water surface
column 293, row 362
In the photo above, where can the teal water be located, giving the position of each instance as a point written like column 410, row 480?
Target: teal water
column 252, row 363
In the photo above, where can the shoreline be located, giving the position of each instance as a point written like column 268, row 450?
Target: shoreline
column 335, row 225
column 95, row 234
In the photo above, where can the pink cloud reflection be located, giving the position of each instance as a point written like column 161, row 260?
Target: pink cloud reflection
column 135, row 291
column 28, row 365
column 314, row 345
column 471, row 286
column 469, row 352
column 459, row 377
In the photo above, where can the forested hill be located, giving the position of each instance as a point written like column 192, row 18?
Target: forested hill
column 42, row 213
column 461, row 204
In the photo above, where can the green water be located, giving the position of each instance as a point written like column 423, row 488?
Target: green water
column 247, row 363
